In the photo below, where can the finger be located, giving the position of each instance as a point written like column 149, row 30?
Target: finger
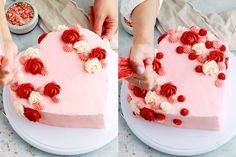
column 110, row 29
column 98, row 24
column 137, row 63
column 91, row 15
column 6, row 65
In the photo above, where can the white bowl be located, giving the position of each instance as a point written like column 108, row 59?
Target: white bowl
column 29, row 26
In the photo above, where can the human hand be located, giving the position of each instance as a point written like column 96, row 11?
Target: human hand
column 141, row 58
column 8, row 60
column 104, row 18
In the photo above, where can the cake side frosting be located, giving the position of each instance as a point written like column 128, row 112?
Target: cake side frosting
column 74, row 68
column 191, row 67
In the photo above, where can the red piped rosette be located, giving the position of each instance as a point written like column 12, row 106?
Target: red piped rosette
column 215, row 50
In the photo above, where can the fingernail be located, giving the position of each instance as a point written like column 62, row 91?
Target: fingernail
column 140, row 70
column 7, row 69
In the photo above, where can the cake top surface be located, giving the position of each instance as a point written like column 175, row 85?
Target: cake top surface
column 67, row 71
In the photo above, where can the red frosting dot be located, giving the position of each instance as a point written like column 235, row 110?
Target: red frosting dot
column 198, row 68
column 161, row 37
column 184, row 112
column 181, row 98
column 160, row 116
column 222, row 48
column 177, row 121
column 180, row 49
column 159, row 55
column 192, row 56
column 202, row 32
column 221, row 76
column 209, row 44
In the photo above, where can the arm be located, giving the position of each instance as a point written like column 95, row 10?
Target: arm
column 143, row 20
column 5, row 33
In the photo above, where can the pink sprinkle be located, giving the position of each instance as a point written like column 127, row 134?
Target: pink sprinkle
column 219, row 83
column 194, row 29
column 141, row 105
column 171, row 31
column 162, row 72
column 44, row 71
column 38, row 106
column 68, row 47
column 55, row 99
column 173, row 38
column 201, row 39
column 187, row 49
column 217, row 44
column 172, row 100
column 40, row 90
column 155, row 106
column 76, row 27
column 156, row 89
column 129, row 98
column 202, row 58
column 23, row 59
column 84, row 56
column 221, row 66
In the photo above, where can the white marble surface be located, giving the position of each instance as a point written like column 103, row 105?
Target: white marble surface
column 11, row 145
column 129, row 144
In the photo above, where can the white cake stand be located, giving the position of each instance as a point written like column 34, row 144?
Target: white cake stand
column 178, row 141
column 67, row 141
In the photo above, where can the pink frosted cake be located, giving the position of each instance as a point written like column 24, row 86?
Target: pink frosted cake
column 64, row 82
column 191, row 67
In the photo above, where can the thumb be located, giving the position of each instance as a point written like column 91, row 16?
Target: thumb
column 98, row 24
column 137, row 64
column 6, row 65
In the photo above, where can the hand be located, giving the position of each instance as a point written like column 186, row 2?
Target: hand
column 6, row 71
column 104, row 18
column 145, row 77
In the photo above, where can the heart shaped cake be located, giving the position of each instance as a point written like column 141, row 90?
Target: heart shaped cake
column 191, row 67
column 63, row 82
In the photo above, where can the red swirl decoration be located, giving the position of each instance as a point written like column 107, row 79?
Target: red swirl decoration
column 31, row 114
column 189, row 38
column 41, row 37
column 156, row 65
column 217, row 56
column 24, row 90
column 138, row 92
column 34, row 66
column 98, row 53
column 168, row 90
column 147, row 114
column 70, row 36
column 52, row 89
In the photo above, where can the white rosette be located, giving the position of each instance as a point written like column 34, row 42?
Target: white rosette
column 93, row 65
column 151, row 97
column 165, row 106
column 199, row 48
column 134, row 107
column 81, row 46
column 31, row 52
column 35, row 97
column 210, row 67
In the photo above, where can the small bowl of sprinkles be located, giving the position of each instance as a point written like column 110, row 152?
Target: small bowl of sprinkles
column 22, row 17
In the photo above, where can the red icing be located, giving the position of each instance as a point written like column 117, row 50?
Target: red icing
column 138, row 92
column 24, row 90
column 52, row 89
column 161, row 38
column 160, row 116
column 180, row 49
column 221, row 76
column 202, row 32
column 189, row 38
column 98, row 53
column 41, row 37
column 159, row 55
column 34, row 66
column 222, row 48
column 198, row 68
column 147, row 114
column 31, row 114
column 181, row 98
column 177, row 121
column 156, row 65
column 70, row 36
column 168, row 90
column 192, row 56
column 216, row 56
column 209, row 44
column 184, row 112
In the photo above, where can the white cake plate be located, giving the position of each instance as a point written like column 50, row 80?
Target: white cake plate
column 67, row 141
column 179, row 141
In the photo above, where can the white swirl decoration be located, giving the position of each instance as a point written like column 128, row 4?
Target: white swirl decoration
column 31, row 52
column 134, row 106
column 35, row 97
column 199, row 48
column 19, row 108
column 165, row 106
column 81, row 46
column 93, row 65
column 210, row 68
column 60, row 28
column 211, row 37
column 151, row 97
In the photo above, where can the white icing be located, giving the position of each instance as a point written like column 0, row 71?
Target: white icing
column 165, row 106
column 160, row 81
column 134, row 106
column 60, row 28
column 19, row 108
column 181, row 28
column 210, row 67
column 151, row 97
column 199, row 48
column 81, row 46
column 34, row 97
column 31, row 52
column 211, row 37
column 93, row 65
